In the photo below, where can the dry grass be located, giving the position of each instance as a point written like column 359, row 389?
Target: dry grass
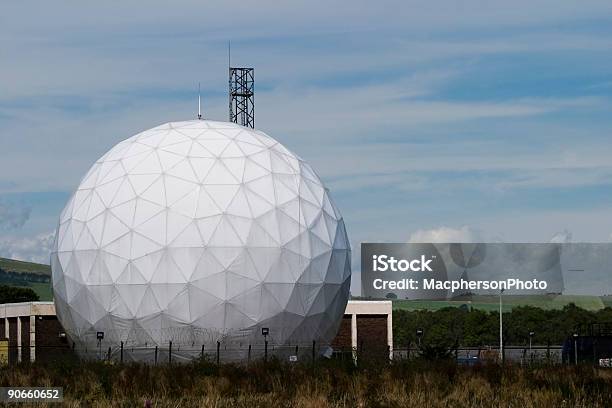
column 329, row 384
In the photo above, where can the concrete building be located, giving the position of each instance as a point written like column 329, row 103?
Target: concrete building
column 34, row 333
column 367, row 327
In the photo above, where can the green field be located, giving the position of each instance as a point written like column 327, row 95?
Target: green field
column 24, row 267
column 491, row 303
column 28, row 276
column 43, row 290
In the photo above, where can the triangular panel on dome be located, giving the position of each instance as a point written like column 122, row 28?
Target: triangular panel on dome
column 156, row 192
column 85, row 261
column 258, row 204
column 149, row 165
column 165, row 294
column 167, row 271
column 187, row 259
column 237, row 283
column 280, row 164
column 264, row 259
column 184, row 171
column 231, row 150
column 187, row 205
column 225, row 255
column 316, row 269
column 222, row 195
column 201, row 166
column 289, row 227
column 242, row 227
column 151, row 138
column 148, row 305
column 154, row 228
column 259, row 237
column 249, row 148
column 189, row 237
column 106, row 192
column 215, row 146
column 220, row 174
column 200, row 301
column 130, row 162
column 91, row 178
column 239, row 206
column 236, row 166
column 253, row 171
column 131, row 275
column 141, row 182
column 108, row 268
column 263, row 159
column 181, row 148
column 131, row 296
column 176, row 223
column 285, row 187
column 269, row 222
column 199, row 151
column 225, row 235
column 116, row 172
column 113, row 229
column 209, row 275
column 102, row 294
column 125, row 212
column 82, row 199
column 278, row 293
column 168, row 160
column 142, row 246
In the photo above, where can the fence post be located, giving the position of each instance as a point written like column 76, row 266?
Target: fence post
column 313, row 351
column 109, row 353
column 155, row 355
column 266, row 350
column 170, row 352
column 218, row 348
column 249, row 356
column 296, row 350
column 121, row 355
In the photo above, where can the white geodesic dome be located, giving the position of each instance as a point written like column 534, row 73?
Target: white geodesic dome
column 196, row 232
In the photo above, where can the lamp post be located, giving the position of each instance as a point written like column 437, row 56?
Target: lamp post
column 531, row 334
column 501, row 328
column 419, row 334
column 576, row 348
column 264, row 332
column 100, row 337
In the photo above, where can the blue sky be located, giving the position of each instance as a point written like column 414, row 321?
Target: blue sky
column 449, row 121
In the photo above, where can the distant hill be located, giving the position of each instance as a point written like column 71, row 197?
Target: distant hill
column 13, row 265
column 27, row 275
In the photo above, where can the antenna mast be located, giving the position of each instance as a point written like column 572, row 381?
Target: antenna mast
column 241, row 93
column 199, row 103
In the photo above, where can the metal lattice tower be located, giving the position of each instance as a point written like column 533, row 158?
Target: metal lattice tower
column 242, row 96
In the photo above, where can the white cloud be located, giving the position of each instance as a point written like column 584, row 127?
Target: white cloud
column 13, row 216
column 464, row 234
column 31, row 249
column 562, row 237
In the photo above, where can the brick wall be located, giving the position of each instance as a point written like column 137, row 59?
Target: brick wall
column 343, row 338
column 49, row 346
column 12, row 340
column 372, row 333
column 25, row 338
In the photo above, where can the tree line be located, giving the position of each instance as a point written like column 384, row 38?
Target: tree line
column 13, row 294
column 451, row 326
